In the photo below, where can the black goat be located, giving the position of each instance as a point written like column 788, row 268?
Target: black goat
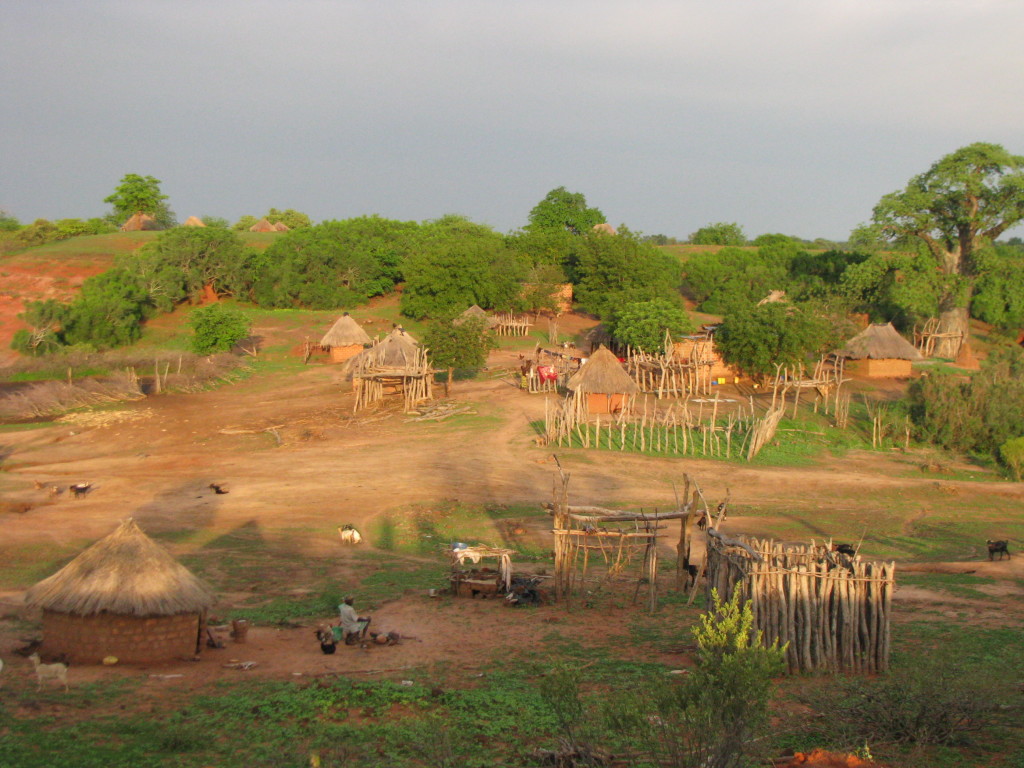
column 80, row 489
column 998, row 547
column 844, row 549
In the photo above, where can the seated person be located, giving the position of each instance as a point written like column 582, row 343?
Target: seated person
column 353, row 627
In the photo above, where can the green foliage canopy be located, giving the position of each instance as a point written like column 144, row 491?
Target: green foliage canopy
column 566, row 211
column 721, row 233
column 462, row 346
column 643, row 324
column 755, row 339
column 139, row 194
column 899, row 287
column 610, row 272
column 217, row 328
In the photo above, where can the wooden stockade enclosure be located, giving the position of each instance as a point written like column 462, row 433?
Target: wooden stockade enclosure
column 832, row 611
column 927, row 335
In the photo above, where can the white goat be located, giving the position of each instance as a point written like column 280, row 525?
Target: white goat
column 349, row 535
column 56, row 671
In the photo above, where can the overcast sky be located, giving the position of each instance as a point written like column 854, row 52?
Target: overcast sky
column 781, row 115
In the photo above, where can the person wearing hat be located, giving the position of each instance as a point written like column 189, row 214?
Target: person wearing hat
column 353, row 627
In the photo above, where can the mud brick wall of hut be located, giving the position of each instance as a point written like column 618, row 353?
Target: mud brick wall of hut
column 132, row 639
column 600, row 403
column 341, row 354
column 684, row 350
column 886, row 368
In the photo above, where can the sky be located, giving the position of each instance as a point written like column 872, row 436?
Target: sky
column 790, row 116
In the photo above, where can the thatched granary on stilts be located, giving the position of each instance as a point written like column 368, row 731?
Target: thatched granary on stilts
column 395, row 365
column 140, row 222
column 124, row 596
column 345, row 339
column 880, row 352
column 602, row 385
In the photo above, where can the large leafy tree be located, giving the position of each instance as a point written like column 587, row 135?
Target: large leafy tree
column 610, row 272
column 757, row 338
column 721, row 233
column 139, row 194
column 964, row 201
column 457, row 264
column 643, row 324
column 564, row 210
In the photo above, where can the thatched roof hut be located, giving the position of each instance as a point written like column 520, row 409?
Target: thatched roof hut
column 193, row 221
column 140, row 222
column 881, row 352
column 124, row 596
column 604, row 228
column 475, row 313
column 604, row 383
column 345, row 339
column 262, row 226
column 280, row 226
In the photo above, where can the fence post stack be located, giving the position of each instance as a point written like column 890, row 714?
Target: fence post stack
column 832, row 611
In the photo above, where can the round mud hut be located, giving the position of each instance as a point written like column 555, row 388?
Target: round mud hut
column 124, row 596
column 140, row 222
column 879, row 352
column 345, row 339
column 262, row 226
column 603, row 383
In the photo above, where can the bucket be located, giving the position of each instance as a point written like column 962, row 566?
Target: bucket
column 239, row 629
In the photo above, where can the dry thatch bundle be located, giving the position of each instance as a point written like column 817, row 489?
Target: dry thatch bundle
column 140, row 222
column 262, row 226
column 344, row 333
column 126, row 573
column 193, row 221
column 603, row 374
column 879, row 341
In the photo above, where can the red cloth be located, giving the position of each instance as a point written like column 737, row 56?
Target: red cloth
column 547, row 373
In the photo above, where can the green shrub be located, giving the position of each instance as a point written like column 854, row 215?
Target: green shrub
column 643, row 324
column 217, row 328
column 1012, row 454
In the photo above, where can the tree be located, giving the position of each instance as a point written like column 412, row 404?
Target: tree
column 185, row 261
column 243, row 224
column 8, row 223
column 289, row 217
column 758, row 338
column 459, row 346
column 216, row 222
column 722, row 233
column 564, row 210
column 458, row 263
column 964, row 201
column 108, row 312
column 217, row 328
column 643, row 324
column 900, row 287
column 733, row 278
column 139, row 194
column 610, row 272
column 44, row 320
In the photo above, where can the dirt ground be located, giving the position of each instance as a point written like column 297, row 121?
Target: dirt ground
column 297, row 463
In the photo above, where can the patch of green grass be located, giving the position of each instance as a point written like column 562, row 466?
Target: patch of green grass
column 959, row 584
column 26, row 426
column 59, row 373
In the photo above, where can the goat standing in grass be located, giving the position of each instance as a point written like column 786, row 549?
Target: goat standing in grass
column 998, row 547
column 56, row 671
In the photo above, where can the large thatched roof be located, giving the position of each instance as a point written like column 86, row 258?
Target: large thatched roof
column 280, row 226
column 476, row 313
column 140, row 222
column 345, row 333
column 262, row 226
column 126, row 573
column 880, row 342
column 397, row 349
column 603, row 374
column 193, row 221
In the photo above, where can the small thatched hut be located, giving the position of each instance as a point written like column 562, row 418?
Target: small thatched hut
column 280, row 226
column 262, row 226
column 603, row 382
column 124, row 596
column 880, row 352
column 193, row 221
column 604, row 228
column 140, row 222
column 345, row 339
column 475, row 313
